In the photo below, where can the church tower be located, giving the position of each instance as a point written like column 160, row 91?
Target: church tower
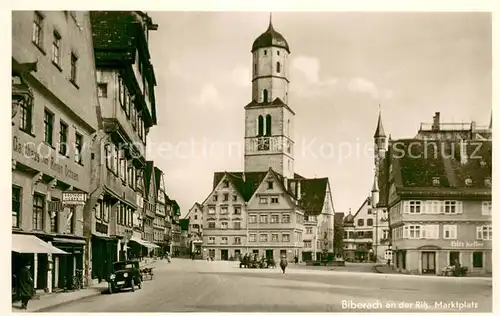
column 269, row 120
column 379, row 140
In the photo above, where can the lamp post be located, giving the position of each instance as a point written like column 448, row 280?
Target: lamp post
column 376, row 233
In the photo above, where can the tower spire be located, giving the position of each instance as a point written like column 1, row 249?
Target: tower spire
column 270, row 20
column 379, row 132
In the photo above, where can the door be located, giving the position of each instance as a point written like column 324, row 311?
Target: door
column 237, row 253
column 428, row 262
column 454, row 257
column 224, row 254
column 269, row 253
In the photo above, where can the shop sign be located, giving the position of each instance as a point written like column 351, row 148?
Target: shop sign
column 74, row 198
column 467, row 244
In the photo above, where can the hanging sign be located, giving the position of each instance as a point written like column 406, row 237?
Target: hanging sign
column 74, row 197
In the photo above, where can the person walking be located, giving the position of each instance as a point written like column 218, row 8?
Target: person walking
column 26, row 285
column 283, row 263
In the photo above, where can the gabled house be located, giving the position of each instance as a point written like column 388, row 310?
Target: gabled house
column 176, row 228
column 195, row 217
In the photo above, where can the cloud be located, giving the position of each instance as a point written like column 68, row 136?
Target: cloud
column 363, row 85
column 208, row 97
column 241, row 76
column 305, row 70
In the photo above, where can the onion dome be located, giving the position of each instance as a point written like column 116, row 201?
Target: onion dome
column 270, row 38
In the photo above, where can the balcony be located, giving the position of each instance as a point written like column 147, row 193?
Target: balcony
column 116, row 185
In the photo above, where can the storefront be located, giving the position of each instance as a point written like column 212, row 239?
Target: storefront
column 66, row 267
column 30, row 250
column 104, row 254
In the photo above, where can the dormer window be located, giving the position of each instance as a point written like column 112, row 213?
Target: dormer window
column 435, row 181
column 468, row 182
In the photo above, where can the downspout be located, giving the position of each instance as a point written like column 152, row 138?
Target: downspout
column 97, row 180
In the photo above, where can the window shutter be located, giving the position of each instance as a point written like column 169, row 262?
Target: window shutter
column 459, row 207
column 406, row 207
column 406, row 232
column 424, row 231
column 479, row 233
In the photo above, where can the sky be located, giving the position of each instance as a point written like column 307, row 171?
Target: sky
column 344, row 67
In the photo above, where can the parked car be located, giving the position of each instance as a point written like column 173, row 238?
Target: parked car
column 125, row 274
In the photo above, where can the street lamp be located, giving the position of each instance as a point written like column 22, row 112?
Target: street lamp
column 376, row 233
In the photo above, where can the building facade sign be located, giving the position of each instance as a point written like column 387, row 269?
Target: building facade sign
column 74, row 197
column 44, row 157
column 467, row 244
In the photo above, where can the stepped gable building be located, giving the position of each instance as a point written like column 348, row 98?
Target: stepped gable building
column 439, row 201
column 267, row 209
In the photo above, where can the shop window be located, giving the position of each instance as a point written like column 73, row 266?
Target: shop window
column 454, row 257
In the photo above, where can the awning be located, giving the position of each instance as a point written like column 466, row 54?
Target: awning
column 33, row 244
column 144, row 243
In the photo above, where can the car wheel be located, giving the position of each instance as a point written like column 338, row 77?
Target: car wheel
column 110, row 288
column 132, row 284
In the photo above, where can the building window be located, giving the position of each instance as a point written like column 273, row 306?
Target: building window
column 226, row 197
column 369, row 222
column 37, row 36
column 211, row 240
column 484, row 232
column 309, row 230
column 264, row 95
column 196, row 217
column 286, row 219
column 369, row 211
column 26, row 116
column 274, row 237
column 63, row 138
column 275, row 219
column 56, row 49
column 211, row 210
column 252, row 219
column 237, row 225
column 414, row 207
column 16, row 206
column 263, row 219
column 454, row 257
column 450, row 207
column 268, row 125
column 477, row 259
column 48, row 125
column 361, row 234
column 450, row 231
column 223, row 225
column 237, row 210
column 307, row 244
column 278, row 67
column 265, row 52
column 235, row 198
column 215, row 197
column 223, row 210
column 486, row 208
column 237, row 240
column 123, row 165
column 361, row 222
column 263, row 200
column 78, row 148
column 226, row 184
column 252, row 237
column 260, row 123
column 223, row 240
column 74, row 68
column 263, row 237
column 286, row 237
column 211, row 225
column 54, row 218
column 38, row 211
column 414, row 231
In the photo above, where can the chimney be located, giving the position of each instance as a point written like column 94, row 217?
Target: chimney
column 436, row 121
column 285, row 183
column 299, row 191
column 473, row 127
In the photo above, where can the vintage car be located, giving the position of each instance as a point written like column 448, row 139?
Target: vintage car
column 125, row 274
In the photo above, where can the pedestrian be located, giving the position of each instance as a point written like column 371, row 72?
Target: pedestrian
column 26, row 285
column 283, row 263
column 296, row 259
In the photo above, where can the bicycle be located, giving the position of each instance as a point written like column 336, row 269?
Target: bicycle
column 78, row 280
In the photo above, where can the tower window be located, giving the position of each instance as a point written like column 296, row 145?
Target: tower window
column 278, row 67
column 265, row 52
column 261, row 126
column 268, row 125
column 278, row 52
column 265, row 95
